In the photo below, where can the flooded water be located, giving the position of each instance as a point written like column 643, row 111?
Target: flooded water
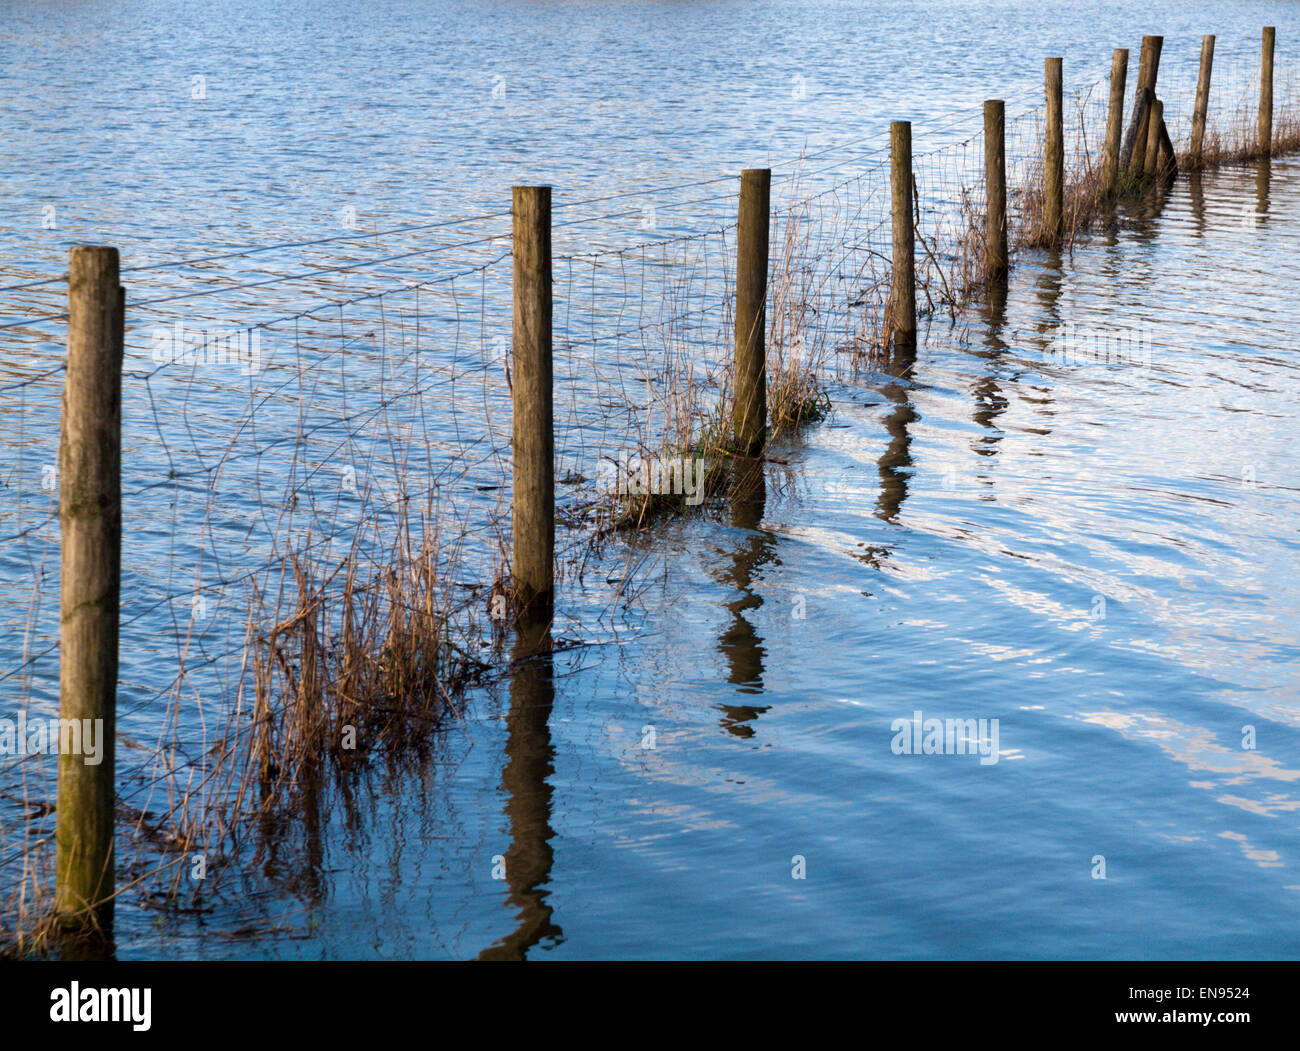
column 1096, row 555
column 1091, row 559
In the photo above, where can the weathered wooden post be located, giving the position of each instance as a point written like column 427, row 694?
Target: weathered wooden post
column 1202, row 101
column 995, row 188
column 90, row 524
column 533, row 439
column 1266, row 94
column 1054, row 155
column 749, row 409
column 1115, row 120
column 902, row 293
column 1136, row 137
column 1155, row 119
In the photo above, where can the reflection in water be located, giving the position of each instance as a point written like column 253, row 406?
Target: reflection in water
column 1196, row 192
column 1263, row 179
column 1048, row 286
column 87, row 947
column 530, row 761
column 990, row 402
column 896, row 460
column 739, row 643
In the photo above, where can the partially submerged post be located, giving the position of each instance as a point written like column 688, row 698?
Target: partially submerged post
column 995, row 188
column 1266, row 93
column 533, row 442
column 902, row 293
column 1166, row 158
column 1136, row 137
column 90, row 524
column 1135, row 148
column 1114, row 120
column 1054, row 156
column 749, row 410
column 1202, row 101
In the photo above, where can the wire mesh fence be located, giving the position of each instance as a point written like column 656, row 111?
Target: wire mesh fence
column 316, row 446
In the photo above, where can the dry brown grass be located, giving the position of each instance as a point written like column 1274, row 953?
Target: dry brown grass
column 1238, row 141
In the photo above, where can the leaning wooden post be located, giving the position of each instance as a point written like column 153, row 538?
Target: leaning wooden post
column 1054, row 156
column 902, row 293
column 749, row 409
column 533, row 440
column 1155, row 119
column 1135, row 140
column 995, row 187
column 90, row 524
column 1266, row 94
column 1115, row 120
column 1202, row 100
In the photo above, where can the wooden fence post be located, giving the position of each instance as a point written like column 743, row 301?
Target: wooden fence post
column 1136, row 137
column 995, row 187
column 1054, row 156
column 90, row 524
column 1266, row 93
column 1155, row 119
column 749, row 409
column 533, row 440
column 1202, row 100
column 902, row 295
column 1115, row 120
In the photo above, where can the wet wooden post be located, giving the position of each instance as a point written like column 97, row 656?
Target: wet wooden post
column 902, row 294
column 1155, row 119
column 1054, row 155
column 1148, row 69
column 1202, row 100
column 749, row 409
column 533, row 441
column 995, row 187
column 1115, row 120
column 1166, row 158
column 1266, row 93
column 90, row 525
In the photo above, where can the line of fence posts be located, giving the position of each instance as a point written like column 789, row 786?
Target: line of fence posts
column 90, row 439
column 1145, row 149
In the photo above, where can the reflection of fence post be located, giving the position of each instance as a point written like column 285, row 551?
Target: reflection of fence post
column 90, row 524
column 902, row 295
column 533, row 439
column 1202, row 100
column 1115, row 120
column 1266, row 93
column 995, row 185
column 1054, row 156
column 749, row 410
